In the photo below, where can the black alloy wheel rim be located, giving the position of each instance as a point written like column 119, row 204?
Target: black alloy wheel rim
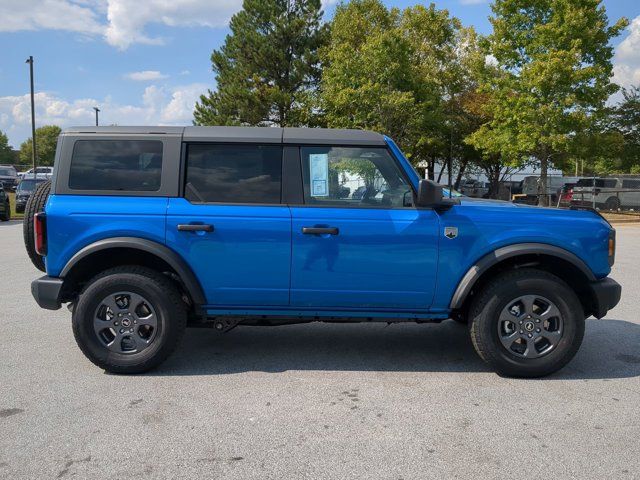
column 530, row 326
column 125, row 323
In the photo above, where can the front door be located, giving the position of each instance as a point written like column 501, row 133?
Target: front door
column 357, row 242
column 230, row 225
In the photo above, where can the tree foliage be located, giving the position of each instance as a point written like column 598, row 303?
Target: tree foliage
column 553, row 62
column 268, row 69
column 397, row 72
column 6, row 152
column 46, row 141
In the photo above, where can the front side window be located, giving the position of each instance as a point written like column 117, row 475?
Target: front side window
column 117, row 165
column 353, row 177
column 233, row 173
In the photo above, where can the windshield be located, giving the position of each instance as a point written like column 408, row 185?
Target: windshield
column 27, row 185
column 8, row 171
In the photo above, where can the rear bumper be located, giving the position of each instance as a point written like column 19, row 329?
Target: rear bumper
column 46, row 292
column 606, row 295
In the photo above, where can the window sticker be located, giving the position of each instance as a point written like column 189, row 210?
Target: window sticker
column 319, row 172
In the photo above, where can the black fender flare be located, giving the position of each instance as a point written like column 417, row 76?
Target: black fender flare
column 485, row 263
column 174, row 260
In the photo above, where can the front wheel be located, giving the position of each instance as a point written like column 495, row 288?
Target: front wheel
column 129, row 319
column 527, row 323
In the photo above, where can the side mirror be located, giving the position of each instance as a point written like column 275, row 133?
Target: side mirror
column 429, row 194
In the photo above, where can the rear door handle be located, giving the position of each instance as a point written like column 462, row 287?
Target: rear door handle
column 195, row 227
column 320, row 230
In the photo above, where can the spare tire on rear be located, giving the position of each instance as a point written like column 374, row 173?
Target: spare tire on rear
column 35, row 204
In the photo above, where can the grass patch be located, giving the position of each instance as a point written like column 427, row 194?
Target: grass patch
column 12, row 201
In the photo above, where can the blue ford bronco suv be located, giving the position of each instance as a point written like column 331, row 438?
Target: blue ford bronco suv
column 144, row 231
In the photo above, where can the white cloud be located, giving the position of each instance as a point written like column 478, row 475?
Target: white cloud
column 146, row 76
column 626, row 68
column 127, row 18
column 158, row 106
column 122, row 23
column 472, row 2
column 75, row 16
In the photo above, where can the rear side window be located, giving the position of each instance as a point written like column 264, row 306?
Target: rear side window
column 119, row 165
column 631, row 183
column 233, row 173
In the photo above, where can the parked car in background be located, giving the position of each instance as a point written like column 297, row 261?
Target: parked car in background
column 566, row 195
column 5, row 206
column 25, row 188
column 8, row 177
column 630, row 194
column 598, row 192
column 474, row 188
column 531, row 193
column 46, row 172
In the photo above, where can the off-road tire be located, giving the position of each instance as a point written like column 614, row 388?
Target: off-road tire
column 35, row 204
column 484, row 318
column 159, row 290
column 7, row 212
column 612, row 204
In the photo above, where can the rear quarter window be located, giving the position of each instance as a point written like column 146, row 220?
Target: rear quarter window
column 116, row 165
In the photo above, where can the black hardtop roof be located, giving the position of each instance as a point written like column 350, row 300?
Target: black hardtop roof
column 309, row 136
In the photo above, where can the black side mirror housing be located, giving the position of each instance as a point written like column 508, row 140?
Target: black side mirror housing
column 430, row 195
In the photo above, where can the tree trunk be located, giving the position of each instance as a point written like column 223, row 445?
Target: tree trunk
column 543, row 198
column 463, row 167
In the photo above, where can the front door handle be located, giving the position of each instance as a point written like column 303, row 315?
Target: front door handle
column 195, row 227
column 320, row 230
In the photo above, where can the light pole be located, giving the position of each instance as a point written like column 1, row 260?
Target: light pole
column 97, row 110
column 33, row 118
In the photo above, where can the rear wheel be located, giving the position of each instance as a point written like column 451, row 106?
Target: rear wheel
column 612, row 203
column 129, row 319
column 527, row 323
column 35, row 204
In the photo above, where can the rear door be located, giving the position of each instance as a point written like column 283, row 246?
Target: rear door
column 358, row 243
column 230, row 224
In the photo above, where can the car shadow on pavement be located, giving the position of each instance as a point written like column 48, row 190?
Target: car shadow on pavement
column 610, row 350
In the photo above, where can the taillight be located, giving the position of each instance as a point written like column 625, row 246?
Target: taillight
column 40, row 232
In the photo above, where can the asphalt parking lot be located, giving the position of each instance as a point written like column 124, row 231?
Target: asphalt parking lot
column 314, row 401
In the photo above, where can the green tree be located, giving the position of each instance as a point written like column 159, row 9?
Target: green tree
column 46, row 141
column 554, row 59
column 392, row 71
column 626, row 122
column 268, row 70
column 6, row 152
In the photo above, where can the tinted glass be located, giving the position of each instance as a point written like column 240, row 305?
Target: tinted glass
column 234, row 173
column 28, row 185
column 353, row 177
column 8, row 171
column 631, row 183
column 122, row 165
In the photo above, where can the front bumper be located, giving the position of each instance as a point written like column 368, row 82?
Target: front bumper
column 606, row 295
column 46, row 291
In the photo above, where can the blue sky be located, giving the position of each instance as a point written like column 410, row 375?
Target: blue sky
column 146, row 62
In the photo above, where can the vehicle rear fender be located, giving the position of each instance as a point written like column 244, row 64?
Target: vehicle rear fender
column 165, row 254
